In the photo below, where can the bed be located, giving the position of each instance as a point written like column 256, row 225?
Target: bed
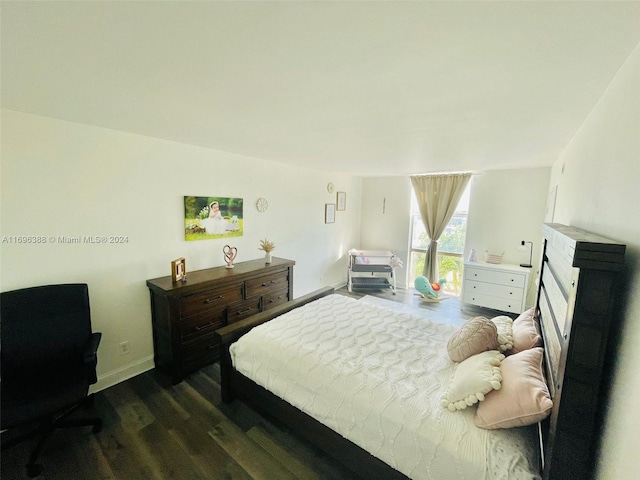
column 410, row 435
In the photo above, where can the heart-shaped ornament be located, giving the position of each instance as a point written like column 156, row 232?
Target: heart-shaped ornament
column 230, row 254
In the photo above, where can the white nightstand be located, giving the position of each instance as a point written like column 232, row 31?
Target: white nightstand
column 497, row 286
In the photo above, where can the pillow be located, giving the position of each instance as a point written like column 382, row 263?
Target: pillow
column 525, row 332
column 524, row 397
column 477, row 335
column 504, row 326
column 472, row 380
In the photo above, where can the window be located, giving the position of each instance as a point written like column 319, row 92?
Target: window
column 450, row 246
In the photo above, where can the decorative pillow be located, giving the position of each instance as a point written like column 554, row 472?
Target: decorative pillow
column 472, row 380
column 504, row 326
column 477, row 335
column 524, row 397
column 525, row 332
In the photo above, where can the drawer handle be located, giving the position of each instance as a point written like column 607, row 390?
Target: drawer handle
column 210, row 300
column 242, row 312
column 267, row 283
column 276, row 299
column 202, row 327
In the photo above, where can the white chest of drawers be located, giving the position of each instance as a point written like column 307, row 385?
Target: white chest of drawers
column 499, row 287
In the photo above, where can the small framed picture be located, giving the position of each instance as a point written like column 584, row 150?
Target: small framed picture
column 178, row 270
column 341, row 201
column 329, row 213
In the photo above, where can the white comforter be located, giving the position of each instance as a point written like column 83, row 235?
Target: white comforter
column 376, row 377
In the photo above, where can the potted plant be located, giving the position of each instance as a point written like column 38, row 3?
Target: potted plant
column 267, row 247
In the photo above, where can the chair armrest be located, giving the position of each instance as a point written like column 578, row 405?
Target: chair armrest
column 91, row 357
column 91, row 349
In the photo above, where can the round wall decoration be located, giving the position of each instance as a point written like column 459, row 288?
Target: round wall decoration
column 330, row 187
column 262, row 205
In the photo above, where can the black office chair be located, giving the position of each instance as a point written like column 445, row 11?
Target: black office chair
column 49, row 357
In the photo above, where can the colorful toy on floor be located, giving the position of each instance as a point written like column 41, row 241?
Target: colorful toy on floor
column 428, row 290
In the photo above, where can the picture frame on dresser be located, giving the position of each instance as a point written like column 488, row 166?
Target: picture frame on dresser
column 178, row 269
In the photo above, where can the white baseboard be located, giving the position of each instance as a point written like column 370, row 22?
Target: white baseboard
column 112, row 378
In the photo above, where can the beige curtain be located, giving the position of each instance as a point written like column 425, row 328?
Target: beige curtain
column 438, row 197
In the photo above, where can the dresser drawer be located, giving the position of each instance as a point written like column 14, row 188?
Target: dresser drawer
column 496, row 277
column 270, row 300
column 267, row 283
column 502, row 291
column 245, row 309
column 200, row 325
column 496, row 303
column 186, row 315
column 495, row 286
column 208, row 300
column 200, row 352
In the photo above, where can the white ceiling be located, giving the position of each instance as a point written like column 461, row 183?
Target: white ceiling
column 363, row 87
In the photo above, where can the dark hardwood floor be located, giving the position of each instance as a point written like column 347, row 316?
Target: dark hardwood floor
column 153, row 430
column 447, row 310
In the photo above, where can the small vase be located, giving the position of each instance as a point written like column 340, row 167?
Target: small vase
column 267, row 257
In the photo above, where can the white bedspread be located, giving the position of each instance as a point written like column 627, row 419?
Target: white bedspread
column 376, row 377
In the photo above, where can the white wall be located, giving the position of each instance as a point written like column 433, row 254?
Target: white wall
column 66, row 179
column 506, row 206
column 598, row 179
column 386, row 205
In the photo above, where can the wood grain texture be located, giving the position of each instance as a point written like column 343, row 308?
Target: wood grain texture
column 183, row 432
column 154, row 430
column 577, row 303
column 185, row 315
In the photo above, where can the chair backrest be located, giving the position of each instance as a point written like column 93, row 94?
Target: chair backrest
column 43, row 328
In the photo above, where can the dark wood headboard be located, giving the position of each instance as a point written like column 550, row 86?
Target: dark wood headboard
column 575, row 303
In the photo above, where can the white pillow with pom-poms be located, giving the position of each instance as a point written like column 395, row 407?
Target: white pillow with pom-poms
column 472, row 379
column 504, row 326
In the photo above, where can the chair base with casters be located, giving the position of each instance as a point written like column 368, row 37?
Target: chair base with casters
column 49, row 358
column 46, row 427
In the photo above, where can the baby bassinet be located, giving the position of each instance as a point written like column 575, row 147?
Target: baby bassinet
column 378, row 265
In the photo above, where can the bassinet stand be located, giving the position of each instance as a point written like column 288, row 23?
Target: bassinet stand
column 378, row 264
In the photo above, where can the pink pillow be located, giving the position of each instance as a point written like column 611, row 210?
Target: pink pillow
column 477, row 335
column 524, row 397
column 525, row 332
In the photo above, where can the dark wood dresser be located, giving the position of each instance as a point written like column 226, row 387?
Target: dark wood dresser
column 185, row 315
column 576, row 309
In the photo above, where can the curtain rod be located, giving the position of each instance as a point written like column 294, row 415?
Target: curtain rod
column 445, row 173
